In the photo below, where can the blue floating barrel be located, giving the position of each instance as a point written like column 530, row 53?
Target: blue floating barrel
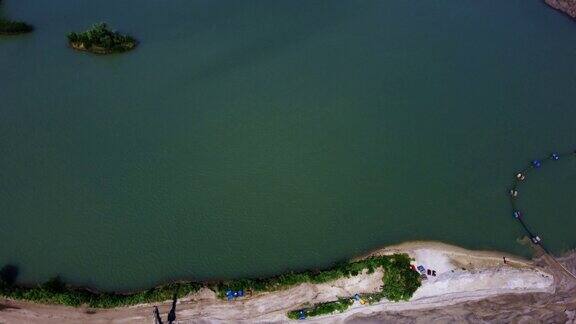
column 517, row 214
column 240, row 293
column 555, row 156
column 302, row 315
column 536, row 163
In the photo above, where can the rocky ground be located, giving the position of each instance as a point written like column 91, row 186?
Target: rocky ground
column 567, row 6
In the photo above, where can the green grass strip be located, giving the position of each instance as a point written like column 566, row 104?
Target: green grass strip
column 291, row 279
column 398, row 284
column 339, row 306
column 56, row 292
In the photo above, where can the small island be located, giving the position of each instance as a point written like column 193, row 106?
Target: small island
column 9, row 27
column 101, row 40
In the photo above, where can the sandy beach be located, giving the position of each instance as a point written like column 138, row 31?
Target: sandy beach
column 461, row 276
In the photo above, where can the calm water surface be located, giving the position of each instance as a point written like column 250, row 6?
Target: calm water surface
column 253, row 137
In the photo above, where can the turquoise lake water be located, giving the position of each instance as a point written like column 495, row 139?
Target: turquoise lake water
column 248, row 138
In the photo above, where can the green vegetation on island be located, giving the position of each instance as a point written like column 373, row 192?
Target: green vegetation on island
column 101, row 40
column 8, row 27
column 400, row 282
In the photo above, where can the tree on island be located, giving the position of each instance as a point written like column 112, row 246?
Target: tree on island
column 101, row 40
column 10, row 27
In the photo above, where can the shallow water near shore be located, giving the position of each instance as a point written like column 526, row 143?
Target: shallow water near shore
column 250, row 138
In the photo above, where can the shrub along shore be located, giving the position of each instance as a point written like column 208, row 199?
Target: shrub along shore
column 55, row 291
column 400, row 282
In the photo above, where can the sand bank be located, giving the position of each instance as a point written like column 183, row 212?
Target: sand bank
column 461, row 275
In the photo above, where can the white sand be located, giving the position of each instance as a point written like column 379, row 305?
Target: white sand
column 433, row 259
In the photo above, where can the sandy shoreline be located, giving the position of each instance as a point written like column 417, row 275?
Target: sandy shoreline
column 462, row 276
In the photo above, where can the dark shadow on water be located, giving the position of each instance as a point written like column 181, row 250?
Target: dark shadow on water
column 9, row 274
